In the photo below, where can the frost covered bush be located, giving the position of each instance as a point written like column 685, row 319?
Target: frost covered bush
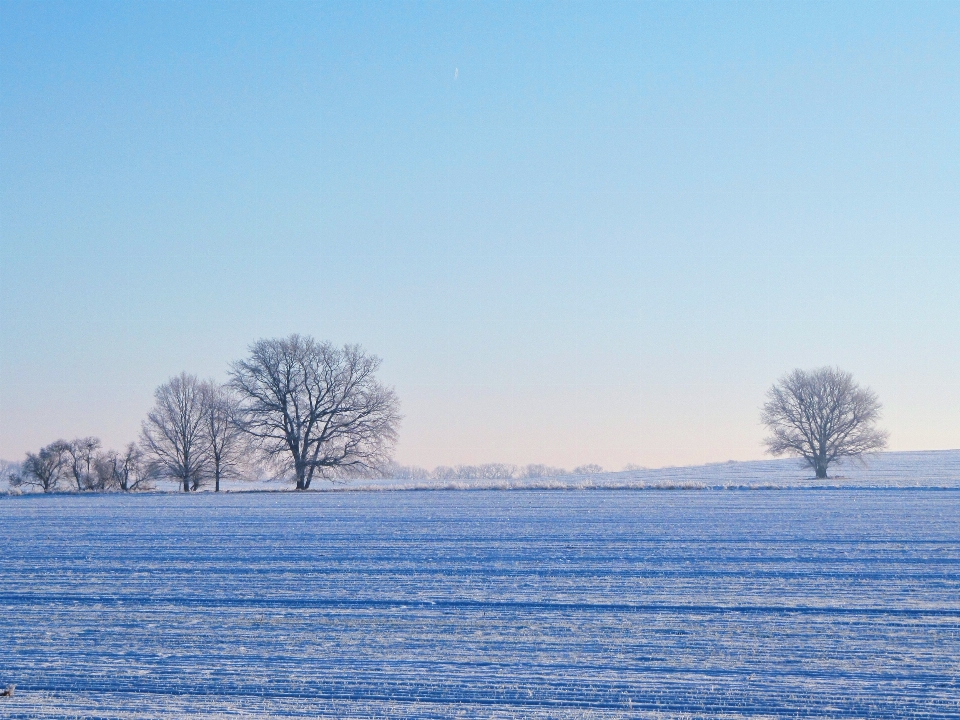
column 589, row 469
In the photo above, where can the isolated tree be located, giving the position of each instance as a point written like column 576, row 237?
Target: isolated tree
column 225, row 437
column 317, row 409
column 82, row 454
column 174, row 434
column 44, row 469
column 822, row 415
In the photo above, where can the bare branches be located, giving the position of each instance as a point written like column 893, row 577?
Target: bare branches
column 174, row 433
column 309, row 407
column 45, row 469
column 192, row 434
column 83, row 455
column 822, row 415
column 126, row 471
column 223, row 432
column 81, row 463
column 316, row 408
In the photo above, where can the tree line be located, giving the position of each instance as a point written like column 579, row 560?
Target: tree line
column 83, row 464
column 295, row 407
column 304, row 409
column 493, row 471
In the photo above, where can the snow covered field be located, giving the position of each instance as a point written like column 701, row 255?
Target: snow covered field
column 575, row 604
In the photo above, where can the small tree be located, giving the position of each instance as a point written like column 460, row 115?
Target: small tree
column 317, row 409
column 9, row 471
column 82, row 455
column 174, row 433
column 126, row 471
column 45, row 469
column 822, row 415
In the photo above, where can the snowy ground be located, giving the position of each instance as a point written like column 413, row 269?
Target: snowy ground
column 688, row 603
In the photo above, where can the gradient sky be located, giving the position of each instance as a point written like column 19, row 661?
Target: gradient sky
column 591, row 232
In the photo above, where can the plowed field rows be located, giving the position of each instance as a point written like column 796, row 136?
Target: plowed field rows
column 592, row 604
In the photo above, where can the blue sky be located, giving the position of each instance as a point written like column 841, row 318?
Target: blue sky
column 590, row 232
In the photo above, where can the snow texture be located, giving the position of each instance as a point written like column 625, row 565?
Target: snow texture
column 537, row 604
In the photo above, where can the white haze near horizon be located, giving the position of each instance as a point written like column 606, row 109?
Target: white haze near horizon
column 575, row 234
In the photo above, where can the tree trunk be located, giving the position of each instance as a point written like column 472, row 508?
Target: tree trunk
column 186, row 484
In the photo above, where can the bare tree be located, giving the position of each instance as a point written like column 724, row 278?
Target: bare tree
column 822, row 415
column 174, row 433
column 45, row 469
column 9, row 471
column 223, row 431
column 126, row 471
column 82, row 456
column 316, row 408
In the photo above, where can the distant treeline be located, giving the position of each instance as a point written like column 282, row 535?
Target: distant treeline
column 493, row 471
column 295, row 409
column 82, row 465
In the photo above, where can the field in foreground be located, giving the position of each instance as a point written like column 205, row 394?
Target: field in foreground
column 589, row 604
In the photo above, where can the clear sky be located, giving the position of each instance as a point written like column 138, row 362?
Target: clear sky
column 590, row 232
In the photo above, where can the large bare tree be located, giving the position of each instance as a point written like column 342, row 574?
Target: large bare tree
column 822, row 415
column 316, row 408
column 174, row 434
